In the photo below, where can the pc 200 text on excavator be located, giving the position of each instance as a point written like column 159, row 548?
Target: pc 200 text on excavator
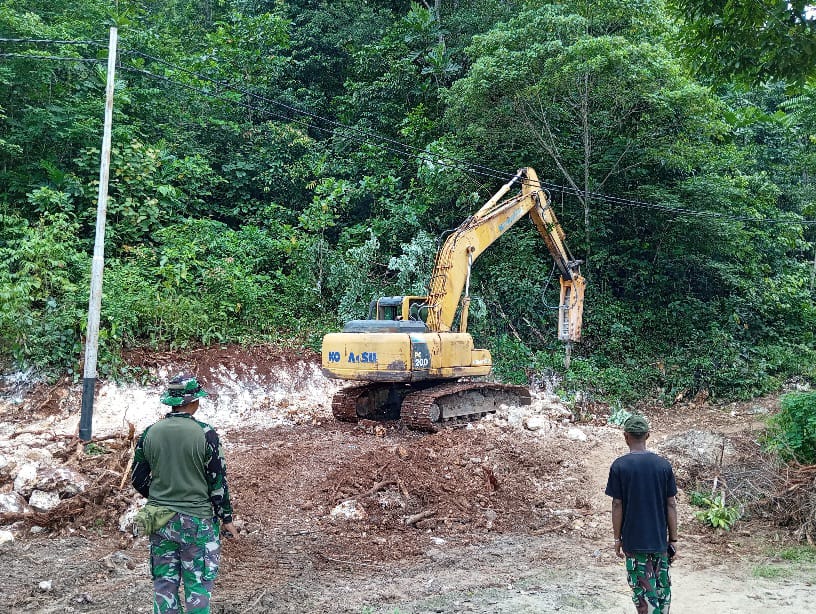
column 413, row 364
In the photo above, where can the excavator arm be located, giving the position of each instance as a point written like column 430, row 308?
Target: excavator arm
column 450, row 280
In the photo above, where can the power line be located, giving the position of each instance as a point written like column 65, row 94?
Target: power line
column 52, row 57
column 51, row 41
column 359, row 136
column 487, row 171
column 422, row 155
column 401, row 149
column 468, row 167
column 276, row 115
column 620, row 201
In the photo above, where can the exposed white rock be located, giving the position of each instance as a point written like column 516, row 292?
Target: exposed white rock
column 6, row 537
column 536, row 423
column 7, row 468
column 540, row 416
column 42, row 501
column 60, row 480
column 13, row 503
column 576, row 434
column 36, row 455
column 26, row 479
column 349, row 510
column 126, row 519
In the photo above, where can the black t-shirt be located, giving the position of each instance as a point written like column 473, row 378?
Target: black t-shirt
column 643, row 481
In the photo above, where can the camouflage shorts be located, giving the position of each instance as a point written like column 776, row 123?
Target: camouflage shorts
column 648, row 576
column 189, row 549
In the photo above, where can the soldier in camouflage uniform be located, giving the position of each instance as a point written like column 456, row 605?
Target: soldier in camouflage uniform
column 178, row 465
column 644, row 518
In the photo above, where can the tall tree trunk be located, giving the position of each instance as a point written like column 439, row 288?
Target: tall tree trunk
column 208, row 12
column 587, row 141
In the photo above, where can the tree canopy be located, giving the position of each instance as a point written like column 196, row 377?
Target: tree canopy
column 750, row 41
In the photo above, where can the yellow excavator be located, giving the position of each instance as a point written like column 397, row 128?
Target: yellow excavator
column 412, row 362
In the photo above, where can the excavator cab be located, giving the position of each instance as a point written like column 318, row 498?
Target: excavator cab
column 407, row 308
column 392, row 314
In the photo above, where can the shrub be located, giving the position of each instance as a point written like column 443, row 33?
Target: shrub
column 43, row 292
column 792, row 432
column 715, row 512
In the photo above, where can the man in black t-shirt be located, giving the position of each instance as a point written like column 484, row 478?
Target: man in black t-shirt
column 644, row 518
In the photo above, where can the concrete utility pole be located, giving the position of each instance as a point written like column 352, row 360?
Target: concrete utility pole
column 95, row 300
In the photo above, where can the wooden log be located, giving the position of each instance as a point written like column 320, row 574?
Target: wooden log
column 415, row 518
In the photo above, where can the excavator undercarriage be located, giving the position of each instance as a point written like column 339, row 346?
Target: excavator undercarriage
column 428, row 408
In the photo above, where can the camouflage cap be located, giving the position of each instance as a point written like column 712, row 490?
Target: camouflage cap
column 182, row 390
column 636, row 424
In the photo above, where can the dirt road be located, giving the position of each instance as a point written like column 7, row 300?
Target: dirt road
column 492, row 518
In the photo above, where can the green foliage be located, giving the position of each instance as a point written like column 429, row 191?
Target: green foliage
column 771, row 572
column 413, row 267
column 794, row 561
column 792, row 432
column 205, row 283
column 95, row 449
column 715, row 512
column 234, row 217
column 699, row 499
column 607, row 380
column 511, row 358
column 619, row 416
column 750, row 40
column 42, row 297
column 349, row 277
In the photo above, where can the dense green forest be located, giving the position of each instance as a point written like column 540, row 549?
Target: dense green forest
column 278, row 164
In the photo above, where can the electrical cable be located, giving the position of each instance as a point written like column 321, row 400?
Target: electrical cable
column 366, row 137
column 361, row 140
column 420, row 154
column 49, row 41
column 424, row 155
column 52, row 57
column 230, row 86
column 628, row 202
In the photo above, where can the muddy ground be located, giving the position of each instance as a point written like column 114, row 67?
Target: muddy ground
column 334, row 517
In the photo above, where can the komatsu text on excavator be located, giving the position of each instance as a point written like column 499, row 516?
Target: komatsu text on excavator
column 408, row 359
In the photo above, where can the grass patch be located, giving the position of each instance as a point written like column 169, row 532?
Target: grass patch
column 799, row 554
column 772, row 572
column 796, row 561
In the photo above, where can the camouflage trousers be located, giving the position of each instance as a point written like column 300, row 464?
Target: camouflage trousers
column 648, row 576
column 185, row 549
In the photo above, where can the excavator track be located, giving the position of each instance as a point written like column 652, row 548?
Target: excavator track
column 426, row 409
column 371, row 401
column 344, row 403
column 429, row 409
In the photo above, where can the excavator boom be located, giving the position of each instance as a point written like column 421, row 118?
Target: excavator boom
column 451, row 274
